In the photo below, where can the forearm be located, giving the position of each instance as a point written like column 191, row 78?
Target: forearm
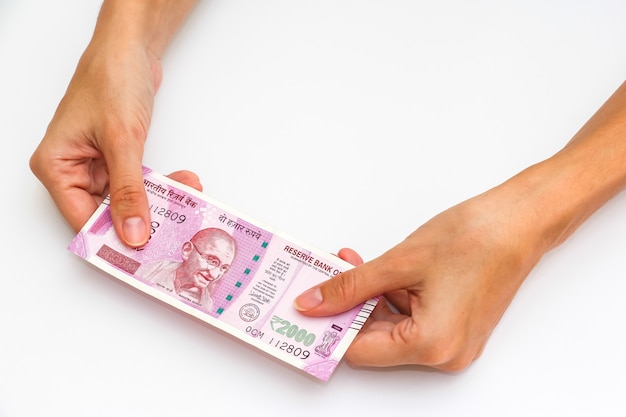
column 559, row 194
column 152, row 23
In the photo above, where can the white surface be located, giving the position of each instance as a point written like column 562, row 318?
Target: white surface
column 343, row 123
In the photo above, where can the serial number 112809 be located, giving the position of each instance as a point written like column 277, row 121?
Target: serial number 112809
column 294, row 350
column 168, row 214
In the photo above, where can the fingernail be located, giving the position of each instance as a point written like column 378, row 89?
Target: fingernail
column 308, row 300
column 134, row 231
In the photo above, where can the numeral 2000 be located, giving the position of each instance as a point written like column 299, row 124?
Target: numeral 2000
column 292, row 331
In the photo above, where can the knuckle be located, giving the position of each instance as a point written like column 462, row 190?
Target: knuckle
column 345, row 286
column 120, row 134
column 446, row 353
column 131, row 127
column 127, row 195
column 435, row 355
column 36, row 164
column 33, row 164
column 457, row 364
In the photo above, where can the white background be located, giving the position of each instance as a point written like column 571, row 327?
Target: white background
column 342, row 123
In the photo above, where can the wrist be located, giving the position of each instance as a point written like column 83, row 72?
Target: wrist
column 149, row 23
column 554, row 197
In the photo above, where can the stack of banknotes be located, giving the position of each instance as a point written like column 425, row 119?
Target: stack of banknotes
column 228, row 270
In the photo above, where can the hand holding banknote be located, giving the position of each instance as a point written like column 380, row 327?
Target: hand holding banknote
column 452, row 279
column 94, row 144
column 450, row 282
column 228, row 270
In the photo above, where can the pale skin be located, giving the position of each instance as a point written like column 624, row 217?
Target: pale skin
column 94, row 144
column 451, row 280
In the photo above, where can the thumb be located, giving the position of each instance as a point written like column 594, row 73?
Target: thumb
column 129, row 203
column 346, row 290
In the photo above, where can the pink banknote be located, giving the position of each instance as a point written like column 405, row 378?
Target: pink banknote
column 228, row 270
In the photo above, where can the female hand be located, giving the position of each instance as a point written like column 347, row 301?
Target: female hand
column 94, row 144
column 448, row 284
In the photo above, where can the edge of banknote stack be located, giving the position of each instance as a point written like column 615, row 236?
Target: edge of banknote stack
column 253, row 299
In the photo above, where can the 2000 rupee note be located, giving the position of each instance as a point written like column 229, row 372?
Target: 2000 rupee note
column 228, row 270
